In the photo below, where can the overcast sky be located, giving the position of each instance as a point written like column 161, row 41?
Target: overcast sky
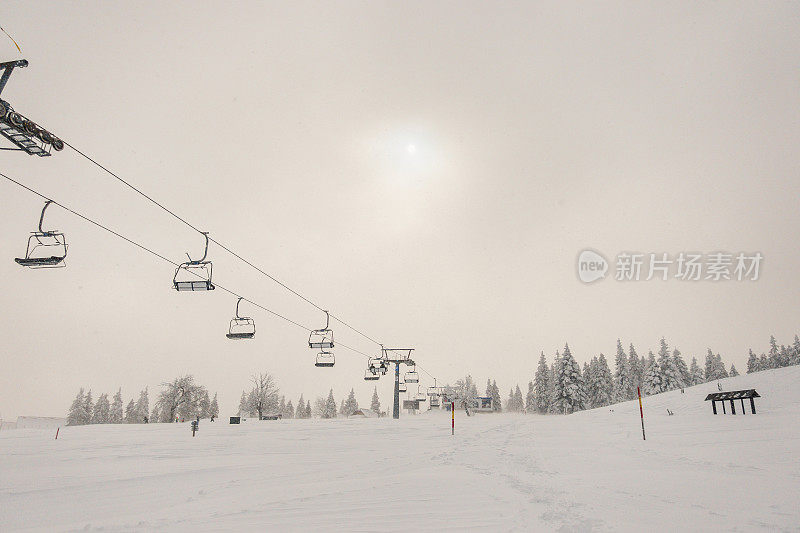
column 428, row 171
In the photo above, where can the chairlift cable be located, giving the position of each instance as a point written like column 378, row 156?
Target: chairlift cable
column 158, row 255
column 221, row 245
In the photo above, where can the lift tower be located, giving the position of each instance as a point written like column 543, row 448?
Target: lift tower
column 398, row 356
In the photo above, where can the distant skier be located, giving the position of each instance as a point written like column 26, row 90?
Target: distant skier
column 212, row 418
column 719, row 385
column 145, row 419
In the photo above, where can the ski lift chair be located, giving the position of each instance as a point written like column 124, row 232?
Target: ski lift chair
column 46, row 249
column 241, row 327
column 434, row 401
column 325, row 359
column 194, row 275
column 412, row 376
column 402, row 387
column 370, row 375
column 322, row 338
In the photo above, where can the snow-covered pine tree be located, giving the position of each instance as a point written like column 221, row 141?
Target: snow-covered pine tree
column 130, row 413
column 244, row 410
column 696, row 373
column 497, row 403
column 351, row 404
column 77, row 411
column 763, row 362
column 541, row 387
column 375, row 405
column 282, row 406
column 511, row 404
column 653, row 383
column 636, row 371
column 205, row 405
column 143, row 406
column 796, row 351
column 530, row 399
column 622, row 379
column 683, row 370
column 774, row 353
column 786, row 356
column 319, row 407
column 155, row 415
column 648, row 362
column 733, row 373
column 752, row 362
column 586, row 375
column 289, row 412
column 555, row 371
column 709, row 367
column 213, row 409
column 604, row 383
column 569, row 392
column 670, row 375
column 115, row 415
column 330, row 407
column 341, row 408
column 719, row 368
column 301, row 408
column 519, row 401
column 308, row 409
column 102, row 410
column 88, row 407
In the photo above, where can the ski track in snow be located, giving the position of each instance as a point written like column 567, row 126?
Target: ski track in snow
column 589, row 471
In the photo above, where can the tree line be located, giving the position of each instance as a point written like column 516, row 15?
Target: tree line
column 179, row 399
column 564, row 387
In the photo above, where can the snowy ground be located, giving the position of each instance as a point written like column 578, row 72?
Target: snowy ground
column 589, row 471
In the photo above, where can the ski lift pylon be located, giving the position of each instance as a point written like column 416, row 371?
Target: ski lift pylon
column 46, row 249
column 194, row 275
column 241, row 327
column 322, row 338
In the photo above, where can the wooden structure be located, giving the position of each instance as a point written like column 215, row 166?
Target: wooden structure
column 732, row 396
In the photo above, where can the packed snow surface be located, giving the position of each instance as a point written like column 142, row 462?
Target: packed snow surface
column 589, row 471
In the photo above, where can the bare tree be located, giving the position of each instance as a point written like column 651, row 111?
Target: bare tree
column 181, row 396
column 264, row 396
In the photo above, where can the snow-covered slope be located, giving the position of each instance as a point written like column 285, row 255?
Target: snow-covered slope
column 588, row 471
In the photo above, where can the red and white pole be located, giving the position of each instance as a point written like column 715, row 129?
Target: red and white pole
column 641, row 413
column 57, row 432
column 453, row 418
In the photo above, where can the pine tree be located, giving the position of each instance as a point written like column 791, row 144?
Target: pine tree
column 774, row 353
column 497, row 402
column 519, row 402
column 511, row 404
column 653, row 383
column 102, row 410
column 670, row 374
column 308, row 409
column 719, row 368
column 88, row 407
column 143, row 406
column 683, row 370
column 329, row 410
column 636, row 371
column 763, row 362
column 530, row 399
column 282, row 406
column 289, row 413
column 622, row 377
column 569, row 392
column 115, row 415
column 205, row 405
column 130, row 413
column 541, row 386
column 752, row 362
column 555, row 370
column 696, row 373
column 77, row 412
column 213, row 409
column 603, row 383
column 341, row 408
column 796, row 351
column 733, row 373
column 376, row 404
column 351, row 404
column 155, row 415
column 301, row 408
column 244, row 410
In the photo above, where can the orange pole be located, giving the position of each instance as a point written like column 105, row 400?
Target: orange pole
column 641, row 413
column 453, row 415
